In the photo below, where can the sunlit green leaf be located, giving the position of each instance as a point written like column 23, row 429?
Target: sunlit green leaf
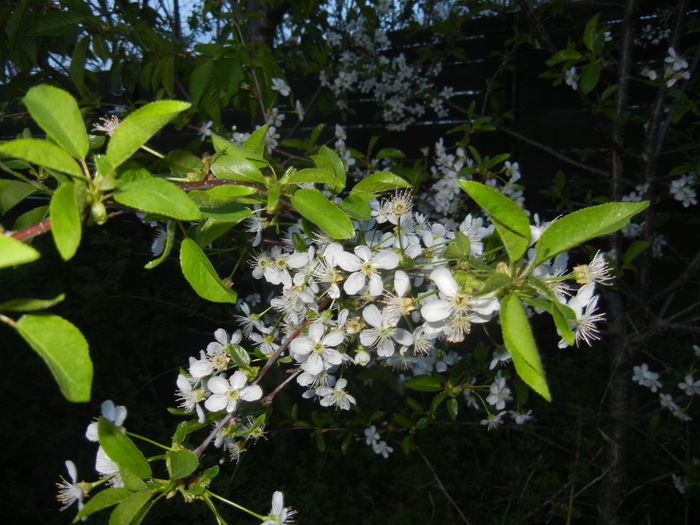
column 66, row 226
column 136, row 129
column 43, row 153
column 202, row 276
column 14, row 252
column 510, row 220
column 140, row 190
column 180, row 463
column 64, row 349
column 315, row 207
column 518, row 338
column 57, row 113
column 583, row 225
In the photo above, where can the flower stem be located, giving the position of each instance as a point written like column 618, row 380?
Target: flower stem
column 235, row 505
column 152, row 152
column 148, row 440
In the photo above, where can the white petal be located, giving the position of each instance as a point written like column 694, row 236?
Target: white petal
column 72, row 471
column 363, row 252
column 386, row 259
column 354, row 284
column 442, row 277
column 216, row 403
column 333, row 338
column 485, row 306
column 341, row 384
column 201, row 368
column 221, row 336
column 238, row 380
column 436, row 311
column 297, row 259
column 301, row 346
column 401, row 283
column 218, row 385
column 251, row 393
column 316, row 331
column 313, row 365
column 401, row 336
column 277, row 503
column 91, row 432
column 369, row 337
column 372, row 316
column 376, row 286
column 348, row 261
column 332, row 356
column 385, row 348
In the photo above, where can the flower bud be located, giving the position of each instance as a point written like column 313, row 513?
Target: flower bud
column 362, row 357
column 98, row 212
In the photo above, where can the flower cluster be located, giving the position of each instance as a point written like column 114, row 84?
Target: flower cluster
column 683, row 189
column 362, row 65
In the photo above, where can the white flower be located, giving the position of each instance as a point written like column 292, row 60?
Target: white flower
column 365, row 265
column 371, row 435
column 226, row 394
column 690, row 386
column 383, row 332
column 499, row 393
column 107, row 125
column 189, row 397
column 521, row 418
column 279, row 514
column 597, row 271
column 456, row 310
column 382, row 448
column 362, row 358
column 315, row 351
column 299, row 108
column 493, row 420
column 108, row 468
column 69, row 492
column 683, row 189
column 205, row 130
column 499, row 357
column 114, row 413
column 584, row 304
column 336, row 395
column 571, row 78
column 281, row 86
column 680, row 483
column 645, row 377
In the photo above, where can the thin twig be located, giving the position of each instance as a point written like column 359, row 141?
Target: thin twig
column 442, row 488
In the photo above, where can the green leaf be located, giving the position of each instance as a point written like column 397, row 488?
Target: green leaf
column 255, row 144
column 132, row 509
column 380, row 181
column 102, row 500
column 217, row 203
column 30, row 305
column 180, row 463
column 65, row 210
column 63, row 348
column 590, row 32
column 31, row 217
column 518, row 338
column 138, row 189
column 202, row 276
column 235, row 167
column 510, row 220
column 12, row 192
column 14, row 252
column 315, row 175
column 563, row 56
column 357, row 205
column 43, row 153
column 424, row 383
column 57, row 113
column 121, row 449
column 590, row 74
column 460, row 249
column 316, row 208
column 139, row 127
column 328, row 158
column 390, row 153
column 632, row 252
column 583, row 225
